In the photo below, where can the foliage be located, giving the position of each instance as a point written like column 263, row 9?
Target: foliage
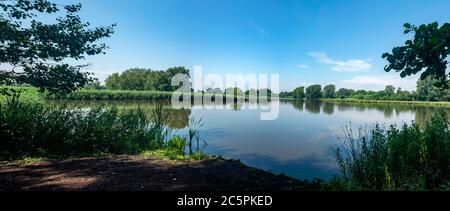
column 344, row 93
column 39, row 49
column 92, row 94
column 389, row 90
column 329, row 91
column 426, row 52
column 145, row 79
column 428, row 91
column 177, row 144
column 314, row 92
column 299, row 93
column 38, row 130
column 406, row 158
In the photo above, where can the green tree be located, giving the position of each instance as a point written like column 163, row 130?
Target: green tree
column 314, row 92
column 389, row 90
column 145, row 79
column 299, row 93
column 39, row 49
column 426, row 52
column 344, row 93
column 426, row 90
column 329, row 91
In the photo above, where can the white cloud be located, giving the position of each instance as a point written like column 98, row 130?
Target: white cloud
column 303, row 66
column 379, row 82
column 352, row 65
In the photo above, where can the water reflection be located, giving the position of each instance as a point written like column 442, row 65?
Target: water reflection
column 299, row 143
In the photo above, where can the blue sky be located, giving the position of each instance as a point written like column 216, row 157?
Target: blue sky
column 305, row 41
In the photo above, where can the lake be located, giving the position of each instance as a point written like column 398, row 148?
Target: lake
column 299, row 143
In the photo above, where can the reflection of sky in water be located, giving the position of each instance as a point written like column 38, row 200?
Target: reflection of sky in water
column 299, row 143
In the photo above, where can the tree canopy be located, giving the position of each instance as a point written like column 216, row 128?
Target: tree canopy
column 314, row 92
column 299, row 92
column 145, row 79
column 329, row 91
column 36, row 52
column 426, row 52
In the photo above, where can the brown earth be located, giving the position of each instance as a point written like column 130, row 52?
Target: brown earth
column 137, row 173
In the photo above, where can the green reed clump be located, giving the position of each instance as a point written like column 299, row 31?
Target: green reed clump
column 406, row 158
column 39, row 130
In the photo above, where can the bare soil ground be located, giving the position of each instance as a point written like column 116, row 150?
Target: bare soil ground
column 137, row 173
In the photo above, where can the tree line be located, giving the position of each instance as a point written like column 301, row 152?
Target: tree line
column 144, row 79
column 427, row 90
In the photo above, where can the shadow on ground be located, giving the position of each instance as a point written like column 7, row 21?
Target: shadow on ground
column 135, row 173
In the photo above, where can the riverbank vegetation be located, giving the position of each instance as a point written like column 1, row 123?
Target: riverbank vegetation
column 31, row 129
column 409, row 158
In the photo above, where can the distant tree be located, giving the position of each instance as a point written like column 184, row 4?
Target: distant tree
column 34, row 52
column 389, row 90
column 314, row 92
column 286, row 94
column 214, row 90
column 113, row 81
column 299, row 93
column 344, row 93
column 426, row 52
column 264, row 93
column 329, row 91
column 234, row 92
column 96, row 85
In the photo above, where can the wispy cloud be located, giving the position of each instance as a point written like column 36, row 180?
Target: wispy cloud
column 378, row 82
column 352, row 65
column 303, row 66
column 258, row 28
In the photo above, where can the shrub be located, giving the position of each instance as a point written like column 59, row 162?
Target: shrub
column 177, row 144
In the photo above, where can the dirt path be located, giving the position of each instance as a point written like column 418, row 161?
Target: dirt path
column 135, row 173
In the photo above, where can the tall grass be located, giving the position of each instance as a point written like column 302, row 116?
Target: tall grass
column 40, row 130
column 406, row 158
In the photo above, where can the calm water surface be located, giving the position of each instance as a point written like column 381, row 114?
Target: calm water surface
column 299, row 143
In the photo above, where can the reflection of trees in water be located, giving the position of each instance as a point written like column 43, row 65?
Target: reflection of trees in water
column 424, row 114
column 342, row 107
column 178, row 118
column 298, row 104
column 328, row 108
column 313, row 106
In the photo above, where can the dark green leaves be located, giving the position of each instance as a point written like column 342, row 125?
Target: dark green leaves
column 39, row 49
column 427, row 52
